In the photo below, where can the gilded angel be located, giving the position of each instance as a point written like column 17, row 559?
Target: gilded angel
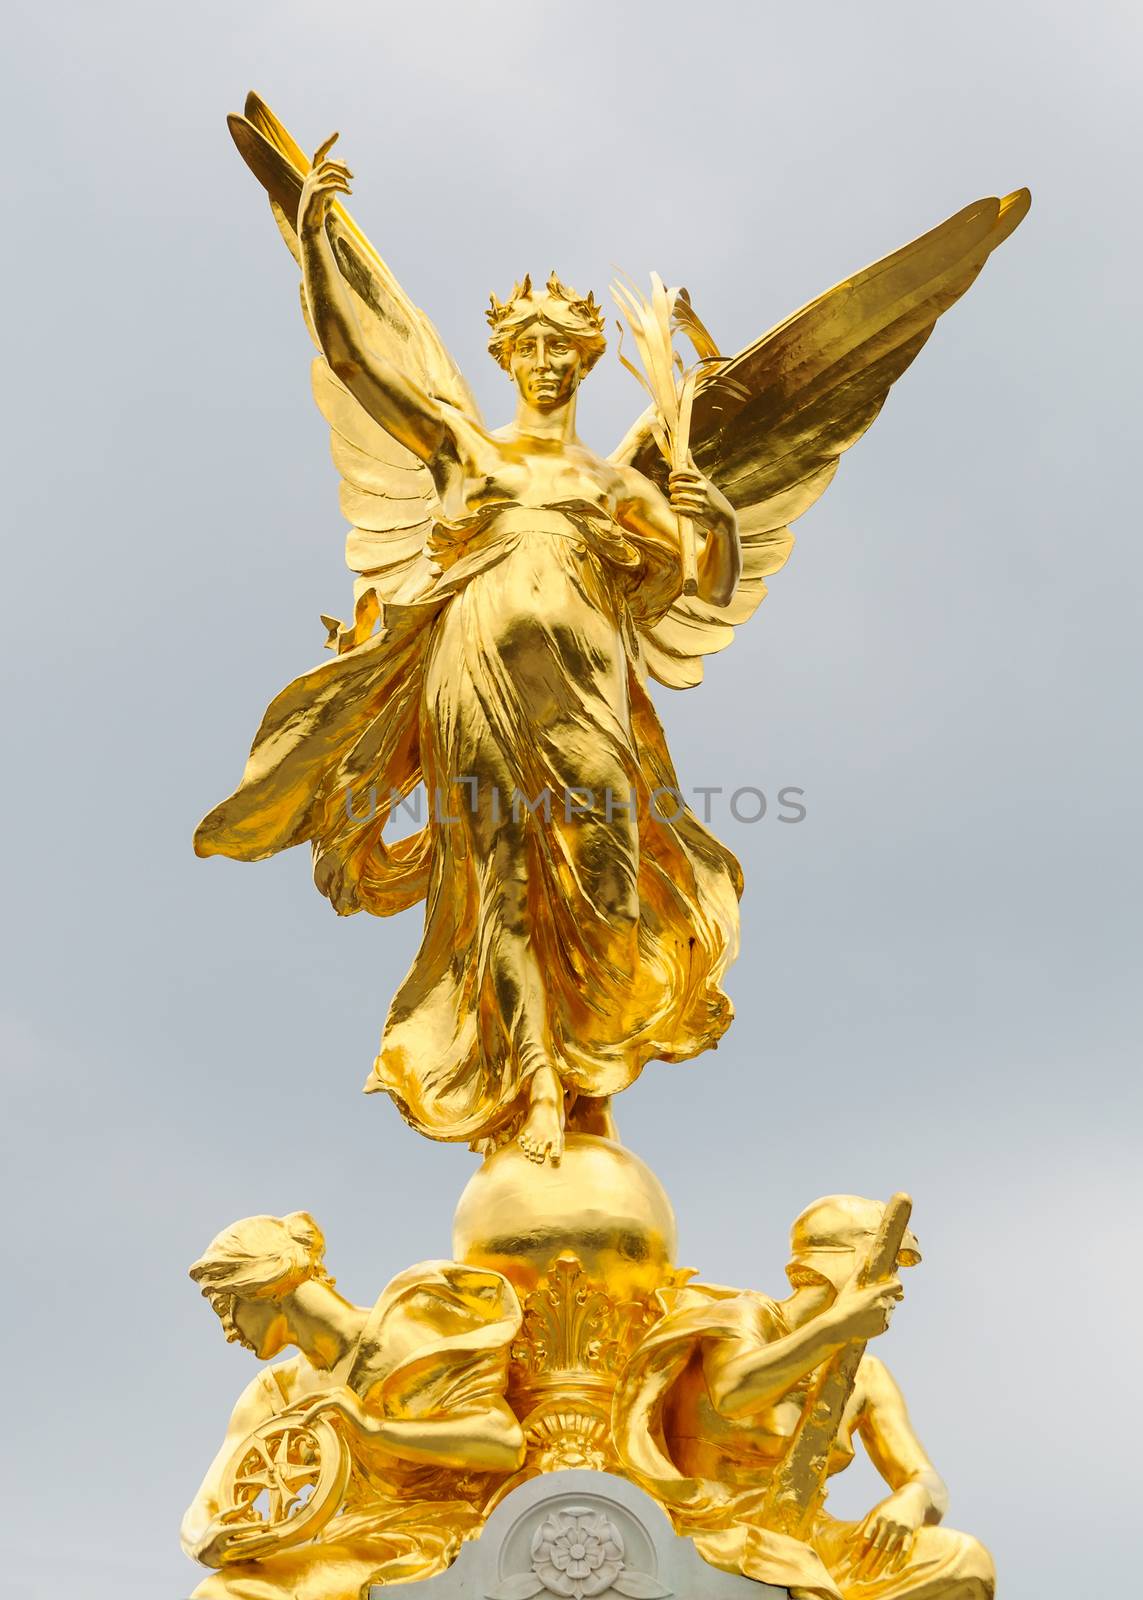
column 515, row 592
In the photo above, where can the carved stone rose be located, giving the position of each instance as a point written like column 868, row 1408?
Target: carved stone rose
column 578, row 1554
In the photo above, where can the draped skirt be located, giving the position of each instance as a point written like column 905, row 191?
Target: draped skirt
column 577, row 913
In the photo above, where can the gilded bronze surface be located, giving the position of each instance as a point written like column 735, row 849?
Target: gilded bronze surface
column 371, row 1454
column 516, row 592
column 515, row 595
column 712, row 1406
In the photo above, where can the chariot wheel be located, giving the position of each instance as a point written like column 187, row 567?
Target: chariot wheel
column 285, row 1481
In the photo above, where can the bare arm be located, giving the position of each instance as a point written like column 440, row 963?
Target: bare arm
column 892, row 1445
column 400, row 406
column 746, row 1376
column 202, row 1537
column 720, row 557
column 647, row 512
column 743, row 1377
column 488, row 1439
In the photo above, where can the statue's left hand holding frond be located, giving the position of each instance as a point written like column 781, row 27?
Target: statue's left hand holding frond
column 770, row 424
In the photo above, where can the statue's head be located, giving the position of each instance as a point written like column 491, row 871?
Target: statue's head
column 250, row 1271
column 546, row 341
column 832, row 1239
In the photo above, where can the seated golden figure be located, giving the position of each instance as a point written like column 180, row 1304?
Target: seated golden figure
column 709, row 1403
column 371, row 1455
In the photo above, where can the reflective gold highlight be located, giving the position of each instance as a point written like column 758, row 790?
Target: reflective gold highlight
column 515, row 592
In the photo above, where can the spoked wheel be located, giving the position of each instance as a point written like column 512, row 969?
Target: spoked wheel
column 285, row 1481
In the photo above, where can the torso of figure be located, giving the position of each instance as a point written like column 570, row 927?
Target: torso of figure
column 485, row 469
column 742, row 1451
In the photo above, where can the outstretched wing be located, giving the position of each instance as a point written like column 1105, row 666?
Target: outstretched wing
column 770, row 424
column 386, row 492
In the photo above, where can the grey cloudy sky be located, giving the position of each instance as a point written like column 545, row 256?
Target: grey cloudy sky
column 938, row 986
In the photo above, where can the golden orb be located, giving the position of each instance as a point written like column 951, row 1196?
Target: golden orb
column 601, row 1203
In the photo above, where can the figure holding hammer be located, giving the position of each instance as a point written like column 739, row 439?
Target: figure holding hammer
column 736, row 1409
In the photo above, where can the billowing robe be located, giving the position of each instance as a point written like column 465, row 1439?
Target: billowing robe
column 577, row 912
column 436, row 1344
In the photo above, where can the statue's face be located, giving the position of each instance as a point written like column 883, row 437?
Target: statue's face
column 260, row 1326
column 546, row 366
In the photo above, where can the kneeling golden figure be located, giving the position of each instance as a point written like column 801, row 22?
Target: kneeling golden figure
column 371, row 1455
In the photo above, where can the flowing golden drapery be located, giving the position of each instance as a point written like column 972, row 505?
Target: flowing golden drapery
column 577, row 912
column 712, row 1474
column 436, row 1346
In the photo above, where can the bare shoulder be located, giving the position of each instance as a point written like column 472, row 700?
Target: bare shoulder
column 255, row 1404
column 268, row 1393
column 631, row 484
column 743, row 1320
column 469, row 437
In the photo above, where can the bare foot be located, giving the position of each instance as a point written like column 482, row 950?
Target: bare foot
column 541, row 1135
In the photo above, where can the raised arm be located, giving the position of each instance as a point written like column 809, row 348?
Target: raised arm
column 399, row 405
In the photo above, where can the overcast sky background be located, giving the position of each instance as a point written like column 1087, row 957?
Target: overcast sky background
column 938, row 989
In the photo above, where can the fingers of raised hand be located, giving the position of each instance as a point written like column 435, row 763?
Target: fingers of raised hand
column 334, row 168
column 321, row 187
column 329, row 178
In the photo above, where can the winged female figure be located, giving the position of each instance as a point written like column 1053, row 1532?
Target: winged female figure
column 515, row 591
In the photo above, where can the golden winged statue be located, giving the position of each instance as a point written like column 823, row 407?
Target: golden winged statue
column 515, row 592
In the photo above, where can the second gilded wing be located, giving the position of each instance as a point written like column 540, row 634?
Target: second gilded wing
column 770, row 424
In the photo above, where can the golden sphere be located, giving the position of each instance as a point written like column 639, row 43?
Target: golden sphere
column 601, row 1203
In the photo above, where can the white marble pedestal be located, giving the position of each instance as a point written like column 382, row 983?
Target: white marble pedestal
column 581, row 1536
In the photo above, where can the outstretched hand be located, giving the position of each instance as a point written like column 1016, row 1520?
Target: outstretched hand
column 323, row 182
